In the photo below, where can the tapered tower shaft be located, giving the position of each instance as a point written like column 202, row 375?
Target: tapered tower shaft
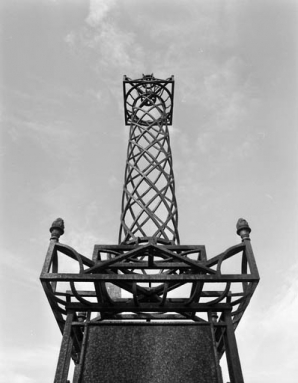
column 149, row 208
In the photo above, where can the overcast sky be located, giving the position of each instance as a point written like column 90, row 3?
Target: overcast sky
column 63, row 149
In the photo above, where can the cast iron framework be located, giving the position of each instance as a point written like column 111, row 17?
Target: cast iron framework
column 149, row 208
column 160, row 279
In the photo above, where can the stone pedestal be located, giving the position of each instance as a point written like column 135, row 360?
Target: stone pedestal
column 150, row 353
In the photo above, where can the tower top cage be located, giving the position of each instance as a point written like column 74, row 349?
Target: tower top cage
column 148, row 100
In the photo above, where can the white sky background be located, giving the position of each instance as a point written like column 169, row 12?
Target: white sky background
column 63, row 150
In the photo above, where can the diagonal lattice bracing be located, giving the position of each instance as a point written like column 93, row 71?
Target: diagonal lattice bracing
column 149, row 208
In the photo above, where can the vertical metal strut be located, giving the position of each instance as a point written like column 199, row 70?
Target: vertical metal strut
column 149, row 208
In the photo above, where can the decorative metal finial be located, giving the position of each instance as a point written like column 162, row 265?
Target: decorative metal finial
column 148, row 77
column 243, row 229
column 57, row 229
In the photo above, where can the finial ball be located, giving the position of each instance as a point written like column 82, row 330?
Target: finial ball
column 57, row 228
column 243, row 228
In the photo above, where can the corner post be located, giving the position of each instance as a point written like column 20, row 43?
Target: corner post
column 65, row 351
column 231, row 348
column 243, row 230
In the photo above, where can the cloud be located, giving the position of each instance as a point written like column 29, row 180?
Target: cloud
column 114, row 182
column 31, row 117
column 19, row 363
column 11, row 376
column 205, row 142
column 115, row 47
column 270, row 328
column 70, row 39
column 195, row 42
column 98, row 10
column 10, row 264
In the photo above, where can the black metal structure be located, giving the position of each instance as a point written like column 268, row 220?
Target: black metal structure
column 161, row 280
column 149, row 208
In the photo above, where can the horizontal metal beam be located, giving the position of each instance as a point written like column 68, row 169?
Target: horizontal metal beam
column 147, row 307
column 146, row 265
column 153, row 278
column 204, row 294
column 123, row 247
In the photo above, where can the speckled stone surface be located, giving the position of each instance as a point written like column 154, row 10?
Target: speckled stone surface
column 149, row 354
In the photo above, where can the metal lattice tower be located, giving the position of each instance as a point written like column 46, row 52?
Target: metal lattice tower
column 183, row 305
column 149, row 208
